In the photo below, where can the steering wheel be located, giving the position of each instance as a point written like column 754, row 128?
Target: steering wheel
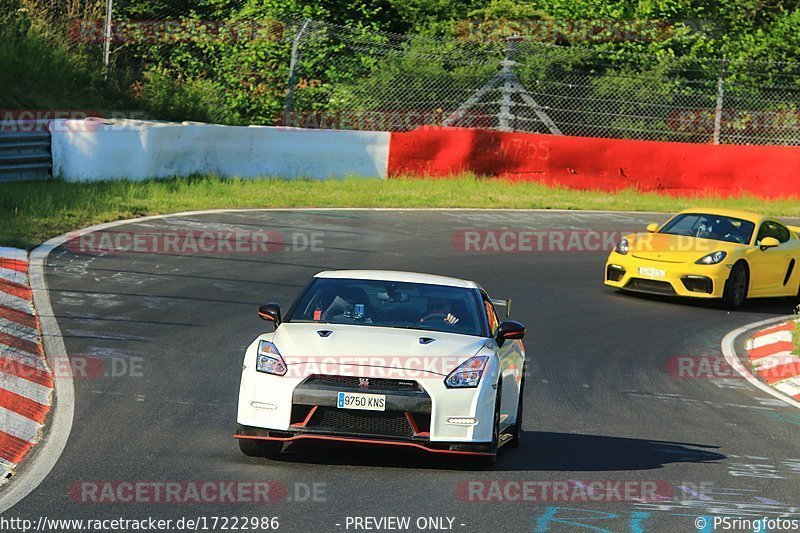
column 433, row 316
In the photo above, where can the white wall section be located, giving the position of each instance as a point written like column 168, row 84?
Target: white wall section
column 97, row 149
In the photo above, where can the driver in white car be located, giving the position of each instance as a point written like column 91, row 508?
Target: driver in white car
column 439, row 309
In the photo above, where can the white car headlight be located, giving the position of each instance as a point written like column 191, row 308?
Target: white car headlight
column 269, row 360
column 468, row 374
column 622, row 247
column 712, row 259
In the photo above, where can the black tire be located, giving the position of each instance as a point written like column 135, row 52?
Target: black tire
column 516, row 431
column 797, row 301
column 735, row 293
column 260, row 448
column 487, row 461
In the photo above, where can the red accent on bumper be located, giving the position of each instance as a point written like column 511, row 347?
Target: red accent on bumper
column 360, row 441
column 304, row 423
column 412, row 423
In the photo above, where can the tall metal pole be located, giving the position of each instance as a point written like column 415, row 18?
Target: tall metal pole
column 511, row 85
column 720, row 97
column 505, row 116
column 107, row 38
column 292, row 68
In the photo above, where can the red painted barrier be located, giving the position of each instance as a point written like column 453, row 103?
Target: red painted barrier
column 599, row 164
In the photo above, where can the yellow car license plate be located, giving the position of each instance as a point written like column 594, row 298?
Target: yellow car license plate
column 652, row 272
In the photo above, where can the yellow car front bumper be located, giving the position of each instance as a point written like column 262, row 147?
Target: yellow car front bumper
column 632, row 273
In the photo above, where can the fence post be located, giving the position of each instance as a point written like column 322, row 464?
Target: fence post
column 107, row 38
column 507, row 73
column 292, row 68
column 720, row 97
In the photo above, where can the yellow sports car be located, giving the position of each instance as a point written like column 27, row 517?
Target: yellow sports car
column 710, row 253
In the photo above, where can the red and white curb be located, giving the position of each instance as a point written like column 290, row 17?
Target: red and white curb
column 26, row 382
column 772, row 358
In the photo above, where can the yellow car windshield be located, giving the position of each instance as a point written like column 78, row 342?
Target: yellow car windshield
column 714, row 227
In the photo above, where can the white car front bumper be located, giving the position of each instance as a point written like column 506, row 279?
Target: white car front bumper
column 420, row 410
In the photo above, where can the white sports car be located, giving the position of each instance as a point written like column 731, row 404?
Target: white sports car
column 389, row 358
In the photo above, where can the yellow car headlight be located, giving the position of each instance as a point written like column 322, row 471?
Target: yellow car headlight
column 712, row 258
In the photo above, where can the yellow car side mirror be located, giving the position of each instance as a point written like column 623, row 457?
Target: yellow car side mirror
column 652, row 228
column 769, row 242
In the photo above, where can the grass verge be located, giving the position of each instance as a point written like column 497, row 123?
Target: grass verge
column 796, row 337
column 33, row 211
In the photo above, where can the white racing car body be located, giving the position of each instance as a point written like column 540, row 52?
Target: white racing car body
column 381, row 357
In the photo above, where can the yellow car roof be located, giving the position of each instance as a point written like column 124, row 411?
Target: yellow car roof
column 735, row 213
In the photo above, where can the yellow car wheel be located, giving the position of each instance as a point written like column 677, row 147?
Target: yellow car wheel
column 735, row 292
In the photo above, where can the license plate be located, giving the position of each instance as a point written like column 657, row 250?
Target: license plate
column 652, row 272
column 365, row 402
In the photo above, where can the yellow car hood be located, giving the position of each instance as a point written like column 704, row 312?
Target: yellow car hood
column 674, row 248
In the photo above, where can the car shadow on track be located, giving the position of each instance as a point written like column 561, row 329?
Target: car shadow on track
column 595, row 453
column 539, row 451
column 775, row 306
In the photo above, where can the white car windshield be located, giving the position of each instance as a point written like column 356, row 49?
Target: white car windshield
column 391, row 304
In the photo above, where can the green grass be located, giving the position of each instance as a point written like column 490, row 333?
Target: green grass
column 33, row 211
column 40, row 73
column 796, row 337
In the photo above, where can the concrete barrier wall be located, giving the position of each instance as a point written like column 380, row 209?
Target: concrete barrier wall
column 93, row 149
column 599, row 164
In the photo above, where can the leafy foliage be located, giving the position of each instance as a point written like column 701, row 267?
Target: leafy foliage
column 240, row 75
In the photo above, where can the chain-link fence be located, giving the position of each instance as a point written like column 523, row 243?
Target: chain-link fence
column 517, row 85
column 315, row 74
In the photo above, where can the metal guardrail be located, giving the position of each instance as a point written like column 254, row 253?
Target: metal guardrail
column 25, row 151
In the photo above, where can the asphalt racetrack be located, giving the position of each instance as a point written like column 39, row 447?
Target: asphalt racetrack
column 162, row 335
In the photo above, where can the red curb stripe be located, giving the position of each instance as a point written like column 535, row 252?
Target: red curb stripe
column 16, row 290
column 20, row 344
column 770, row 349
column 19, row 317
column 23, row 406
column 14, row 264
column 782, row 372
column 12, row 448
column 776, row 329
column 31, row 373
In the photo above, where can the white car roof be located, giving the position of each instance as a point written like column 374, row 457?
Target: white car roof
column 394, row 275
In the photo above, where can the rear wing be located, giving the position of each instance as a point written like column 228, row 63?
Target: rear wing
column 503, row 303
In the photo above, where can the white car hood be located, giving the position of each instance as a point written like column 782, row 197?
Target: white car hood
column 301, row 343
